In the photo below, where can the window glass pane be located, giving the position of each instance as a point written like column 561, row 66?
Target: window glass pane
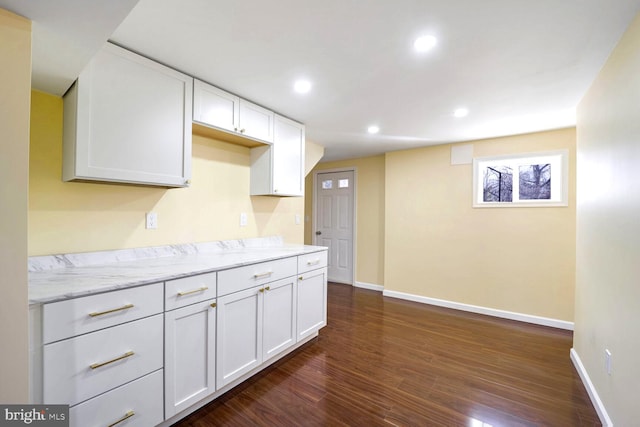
column 343, row 183
column 327, row 185
column 497, row 184
column 535, row 182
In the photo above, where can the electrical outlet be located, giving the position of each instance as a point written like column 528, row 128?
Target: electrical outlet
column 297, row 219
column 243, row 219
column 151, row 220
column 607, row 360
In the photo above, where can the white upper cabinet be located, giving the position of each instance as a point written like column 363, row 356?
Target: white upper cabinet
column 128, row 119
column 255, row 121
column 223, row 110
column 278, row 170
column 215, row 107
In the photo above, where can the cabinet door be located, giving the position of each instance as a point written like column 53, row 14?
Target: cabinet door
column 215, row 107
column 190, row 338
column 255, row 121
column 239, row 334
column 312, row 302
column 128, row 119
column 288, row 158
column 279, row 317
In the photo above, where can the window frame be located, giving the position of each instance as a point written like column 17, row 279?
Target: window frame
column 559, row 161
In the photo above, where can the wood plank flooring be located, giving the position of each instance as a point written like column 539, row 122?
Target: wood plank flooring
column 383, row 361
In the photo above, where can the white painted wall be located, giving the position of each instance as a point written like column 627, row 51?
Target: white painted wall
column 607, row 309
column 15, row 93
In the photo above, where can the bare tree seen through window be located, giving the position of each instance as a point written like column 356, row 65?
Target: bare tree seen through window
column 498, row 184
column 535, row 182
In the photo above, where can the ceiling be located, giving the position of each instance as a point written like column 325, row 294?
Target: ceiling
column 518, row 66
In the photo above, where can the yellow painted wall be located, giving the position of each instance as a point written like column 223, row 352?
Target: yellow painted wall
column 438, row 246
column 79, row 217
column 608, row 230
column 313, row 154
column 15, row 86
column 369, row 215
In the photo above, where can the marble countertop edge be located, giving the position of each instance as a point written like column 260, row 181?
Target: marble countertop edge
column 77, row 280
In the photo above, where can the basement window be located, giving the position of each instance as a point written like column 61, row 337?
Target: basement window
column 523, row 180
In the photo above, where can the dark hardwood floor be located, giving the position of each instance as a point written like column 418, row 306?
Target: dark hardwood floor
column 384, row 361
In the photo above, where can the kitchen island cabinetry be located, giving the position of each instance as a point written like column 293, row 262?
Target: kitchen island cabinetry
column 128, row 119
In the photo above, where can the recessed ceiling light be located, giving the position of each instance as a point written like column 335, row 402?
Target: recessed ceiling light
column 424, row 43
column 373, row 129
column 461, row 112
column 302, row 86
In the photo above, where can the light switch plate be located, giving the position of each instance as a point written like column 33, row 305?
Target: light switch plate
column 243, row 219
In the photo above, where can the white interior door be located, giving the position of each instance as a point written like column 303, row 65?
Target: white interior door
column 334, row 222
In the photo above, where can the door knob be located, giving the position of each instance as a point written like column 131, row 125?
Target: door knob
column 318, row 233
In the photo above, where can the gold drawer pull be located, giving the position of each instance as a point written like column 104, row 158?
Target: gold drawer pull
column 202, row 289
column 261, row 275
column 316, row 262
column 300, row 278
column 124, row 356
column 100, row 313
column 267, row 288
column 213, row 305
column 126, row 416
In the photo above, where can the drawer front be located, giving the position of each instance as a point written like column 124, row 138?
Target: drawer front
column 312, row 261
column 80, row 368
column 238, row 279
column 138, row 403
column 78, row 316
column 189, row 290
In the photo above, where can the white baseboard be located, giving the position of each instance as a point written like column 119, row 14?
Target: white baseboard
column 370, row 286
column 593, row 394
column 538, row 320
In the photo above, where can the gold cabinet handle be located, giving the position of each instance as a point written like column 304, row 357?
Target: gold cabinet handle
column 261, row 290
column 202, row 289
column 267, row 288
column 213, row 305
column 300, row 278
column 126, row 416
column 261, row 275
column 315, row 262
column 100, row 313
column 124, row 356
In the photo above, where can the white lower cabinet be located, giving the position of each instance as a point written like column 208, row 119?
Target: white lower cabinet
column 138, row 403
column 190, row 355
column 279, row 329
column 312, row 302
column 79, row 368
column 239, row 348
column 103, row 354
column 254, row 325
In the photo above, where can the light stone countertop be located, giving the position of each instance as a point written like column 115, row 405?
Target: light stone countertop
column 59, row 277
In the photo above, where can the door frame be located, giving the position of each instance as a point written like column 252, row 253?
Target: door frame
column 354, row 231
